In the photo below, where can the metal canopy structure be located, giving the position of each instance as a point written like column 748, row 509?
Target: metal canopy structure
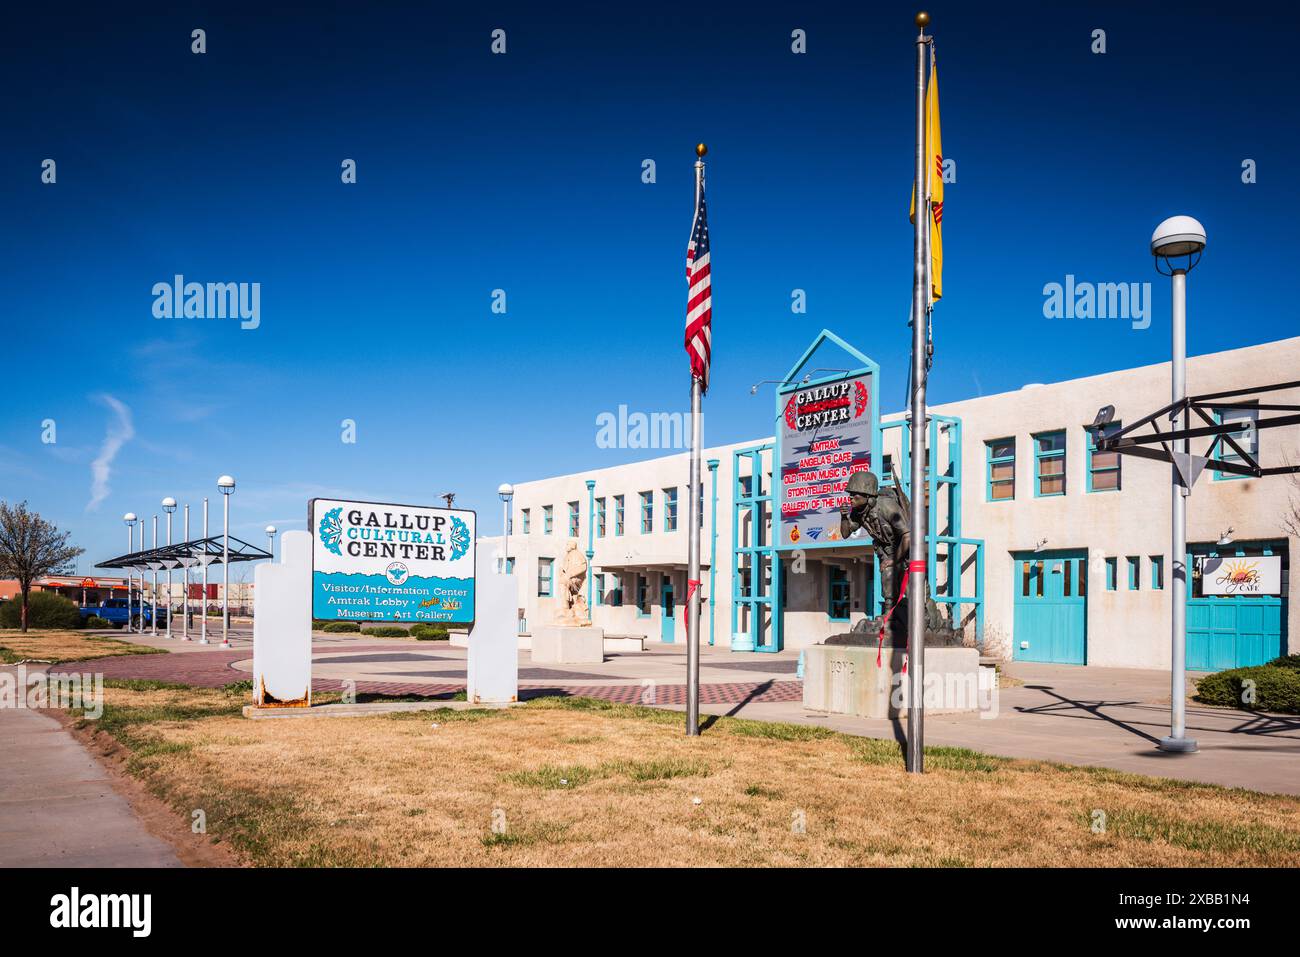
column 1206, row 407
column 191, row 554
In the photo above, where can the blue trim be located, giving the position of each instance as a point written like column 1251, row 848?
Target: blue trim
column 749, row 500
column 647, row 512
column 602, row 517
column 620, row 516
column 670, row 509
column 1134, row 572
column 642, row 595
column 1040, row 455
column 548, row 519
column 549, row 565
column 713, row 545
column 1157, row 572
column 991, row 460
column 575, row 519
column 1112, row 574
column 1117, row 468
column 526, row 515
column 1221, row 450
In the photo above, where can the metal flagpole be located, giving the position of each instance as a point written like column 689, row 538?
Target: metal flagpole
column 693, row 535
column 916, row 556
column 153, row 611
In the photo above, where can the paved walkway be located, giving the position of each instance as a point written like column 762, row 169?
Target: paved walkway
column 1109, row 717
column 57, row 808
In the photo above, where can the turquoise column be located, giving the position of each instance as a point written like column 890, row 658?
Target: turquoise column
column 713, row 541
column 591, row 532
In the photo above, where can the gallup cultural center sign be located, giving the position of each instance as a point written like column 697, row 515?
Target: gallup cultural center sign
column 377, row 562
column 1255, row 575
column 826, row 433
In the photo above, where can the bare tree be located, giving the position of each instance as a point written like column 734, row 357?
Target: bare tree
column 31, row 547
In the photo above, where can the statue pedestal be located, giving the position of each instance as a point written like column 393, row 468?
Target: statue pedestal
column 568, row 645
column 844, row 679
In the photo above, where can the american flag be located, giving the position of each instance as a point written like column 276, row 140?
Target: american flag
column 699, row 301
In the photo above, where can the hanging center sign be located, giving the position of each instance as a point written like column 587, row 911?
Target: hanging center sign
column 378, row 562
column 825, row 435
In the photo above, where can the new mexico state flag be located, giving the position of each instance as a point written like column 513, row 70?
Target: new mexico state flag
column 934, row 180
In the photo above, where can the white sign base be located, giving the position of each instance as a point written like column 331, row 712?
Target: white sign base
column 282, row 626
column 492, row 673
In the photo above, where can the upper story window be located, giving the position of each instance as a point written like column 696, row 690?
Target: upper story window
column 1049, row 464
column 618, row 514
column 647, row 512
column 1001, row 478
column 670, row 509
column 600, row 517
column 1247, row 439
column 573, row 520
column 526, row 515
column 548, row 519
column 545, row 573
column 1103, row 467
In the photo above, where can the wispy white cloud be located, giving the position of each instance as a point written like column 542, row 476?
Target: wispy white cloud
column 120, row 431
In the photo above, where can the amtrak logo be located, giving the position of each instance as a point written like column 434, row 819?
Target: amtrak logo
column 331, row 530
column 396, row 572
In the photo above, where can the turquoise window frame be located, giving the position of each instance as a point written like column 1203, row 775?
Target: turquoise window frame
column 837, row 582
column 1041, row 456
column 992, row 460
column 1112, row 574
column 575, row 521
column 548, row 519
column 642, row 596
column 1223, row 451
column 1134, row 572
column 600, row 517
column 619, row 515
column 599, row 581
column 616, row 592
column 527, row 517
column 670, row 509
column 1109, row 429
column 510, row 565
column 1157, row 572
column 647, row 512
column 545, row 582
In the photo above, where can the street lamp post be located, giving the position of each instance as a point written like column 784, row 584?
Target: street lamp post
column 169, row 506
column 505, row 491
column 185, row 617
column 1179, row 237
column 139, row 599
column 203, row 606
column 270, row 541
column 130, row 520
column 153, row 594
column 227, row 485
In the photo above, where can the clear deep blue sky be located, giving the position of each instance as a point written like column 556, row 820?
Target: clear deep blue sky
column 523, row 172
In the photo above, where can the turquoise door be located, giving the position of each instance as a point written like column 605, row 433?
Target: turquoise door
column 1051, row 607
column 1233, row 631
column 667, row 627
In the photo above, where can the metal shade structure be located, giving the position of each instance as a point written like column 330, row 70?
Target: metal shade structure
column 197, row 553
column 1159, row 445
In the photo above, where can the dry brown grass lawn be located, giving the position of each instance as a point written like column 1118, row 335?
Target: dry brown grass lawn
column 586, row 783
column 59, row 646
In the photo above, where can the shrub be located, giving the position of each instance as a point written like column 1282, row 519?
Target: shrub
column 386, row 631
column 1286, row 661
column 45, row 609
column 336, row 627
column 1276, row 688
column 94, row 621
column 427, row 632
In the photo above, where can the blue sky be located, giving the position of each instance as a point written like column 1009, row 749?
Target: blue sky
column 522, row 172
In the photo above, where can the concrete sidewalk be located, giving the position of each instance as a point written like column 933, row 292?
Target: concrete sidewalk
column 57, row 807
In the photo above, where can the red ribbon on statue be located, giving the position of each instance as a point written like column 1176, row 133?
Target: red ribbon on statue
column 691, row 585
column 880, row 636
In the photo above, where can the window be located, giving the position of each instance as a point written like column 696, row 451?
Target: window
column 647, row 512
column 838, row 608
column 670, row 509
column 598, row 583
column 616, row 593
column 600, row 517
column 1134, row 573
column 545, row 570
column 1157, row 572
column 528, row 520
column 1049, row 462
column 1247, row 437
column 618, row 514
column 746, row 486
column 1001, row 470
column 886, row 468
column 548, row 519
column 1112, row 574
column 1103, row 467
column 573, row 520
column 642, row 597
column 701, row 501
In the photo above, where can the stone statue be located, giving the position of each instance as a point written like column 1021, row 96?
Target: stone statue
column 887, row 517
column 573, row 575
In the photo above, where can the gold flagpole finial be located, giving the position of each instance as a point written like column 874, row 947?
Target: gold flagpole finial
column 700, row 150
column 923, row 19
